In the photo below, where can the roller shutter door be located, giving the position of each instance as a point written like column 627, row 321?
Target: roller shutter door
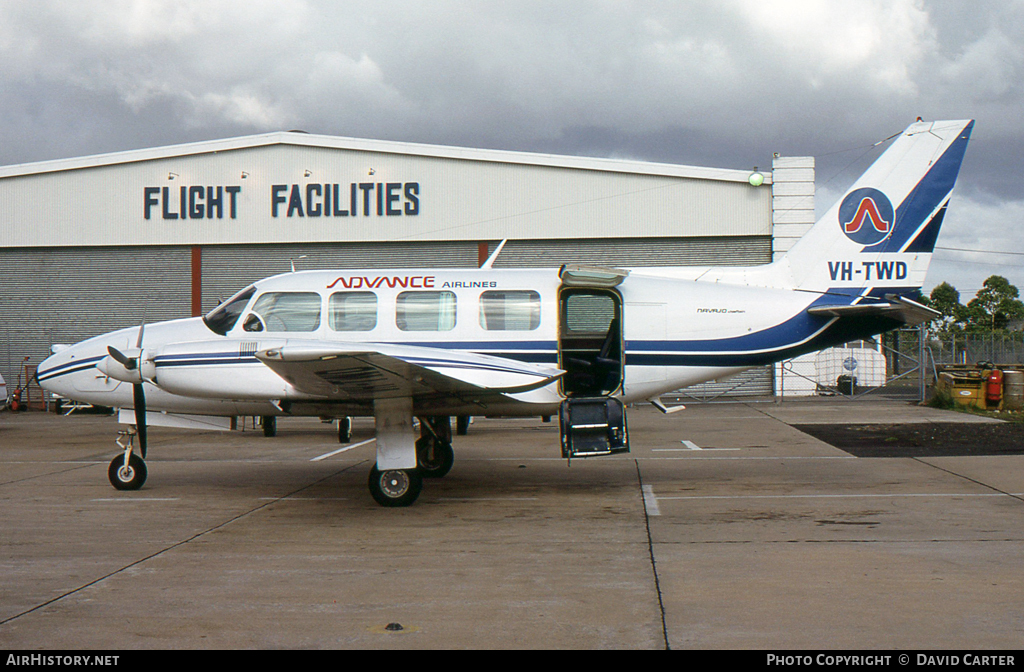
column 756, row 382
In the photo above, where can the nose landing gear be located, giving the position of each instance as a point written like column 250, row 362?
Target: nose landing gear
column 127, row 471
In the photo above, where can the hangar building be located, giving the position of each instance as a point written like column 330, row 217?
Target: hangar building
column 96, row 243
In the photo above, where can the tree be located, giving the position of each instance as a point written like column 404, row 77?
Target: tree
column 946, row 299
column 994, row 307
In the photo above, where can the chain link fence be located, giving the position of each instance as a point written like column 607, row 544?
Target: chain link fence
column 1002, row 349
column 900, row 365
column 895, row 365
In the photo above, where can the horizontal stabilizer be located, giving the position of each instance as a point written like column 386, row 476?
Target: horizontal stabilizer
column 909, row 312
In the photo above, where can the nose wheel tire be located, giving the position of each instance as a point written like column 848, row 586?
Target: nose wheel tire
column 395, row 487
column 127, row 477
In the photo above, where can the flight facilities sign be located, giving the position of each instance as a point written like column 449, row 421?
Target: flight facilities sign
column 357, row 199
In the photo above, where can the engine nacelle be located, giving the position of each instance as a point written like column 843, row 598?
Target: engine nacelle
column 144, row 369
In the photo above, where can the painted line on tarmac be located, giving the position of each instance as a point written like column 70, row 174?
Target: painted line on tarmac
column 690, row 445
column 651, row 501
column 856, row 496
column 339, row 451
column 746, row 457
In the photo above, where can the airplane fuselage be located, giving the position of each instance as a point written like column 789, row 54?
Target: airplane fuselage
column 675, row 332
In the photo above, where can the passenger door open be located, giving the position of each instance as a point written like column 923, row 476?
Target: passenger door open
column 590, row 351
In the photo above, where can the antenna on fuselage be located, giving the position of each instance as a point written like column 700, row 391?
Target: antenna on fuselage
column 494, row 255
column 293, row 261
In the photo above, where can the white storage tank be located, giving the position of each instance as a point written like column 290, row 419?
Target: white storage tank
column 865, row 366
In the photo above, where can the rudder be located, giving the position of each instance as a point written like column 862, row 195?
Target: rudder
column 882, row 232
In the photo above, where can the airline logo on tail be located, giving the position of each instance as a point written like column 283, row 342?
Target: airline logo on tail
column 866, row 216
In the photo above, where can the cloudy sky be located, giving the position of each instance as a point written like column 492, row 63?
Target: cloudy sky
column 722, row 84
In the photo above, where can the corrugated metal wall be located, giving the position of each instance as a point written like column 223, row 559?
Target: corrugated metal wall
column 756, row 382
column 629, row 252
column 66, row 295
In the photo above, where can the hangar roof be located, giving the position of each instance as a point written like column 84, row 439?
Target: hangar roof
column 302, row 139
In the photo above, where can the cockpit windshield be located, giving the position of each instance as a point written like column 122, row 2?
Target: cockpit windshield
column 221, row 319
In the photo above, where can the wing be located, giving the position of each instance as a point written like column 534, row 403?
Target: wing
column 367, row 371
column 898, row 308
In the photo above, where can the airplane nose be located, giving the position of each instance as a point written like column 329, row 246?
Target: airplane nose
column 54, row 373
column 46, row 371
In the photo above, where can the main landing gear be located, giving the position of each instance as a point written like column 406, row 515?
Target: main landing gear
column 432, row 453
column 395, row 487
column 127, row 471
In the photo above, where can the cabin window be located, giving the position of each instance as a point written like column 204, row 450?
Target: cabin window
column 221, row 319
column 285, row 311
column 510, row 311
column 425, row 311
column 352, row 311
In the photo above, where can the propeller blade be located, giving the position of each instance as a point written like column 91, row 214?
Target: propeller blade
column 124, row 360
column 142, row 330
column 139, row 398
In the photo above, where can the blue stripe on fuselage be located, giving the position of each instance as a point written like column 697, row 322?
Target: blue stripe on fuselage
column 69, row 367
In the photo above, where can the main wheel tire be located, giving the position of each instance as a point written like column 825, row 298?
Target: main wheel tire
column 434, row 458
column 269, row 423
column 131, row 477
column 395, row 487
column 345, row 430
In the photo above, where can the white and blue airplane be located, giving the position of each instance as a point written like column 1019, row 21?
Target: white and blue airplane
column 577, row 342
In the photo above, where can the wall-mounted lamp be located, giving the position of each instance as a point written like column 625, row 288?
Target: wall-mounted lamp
column 372, row 171
column 756, row 179
column 307, row 174
column 244, row 174
column 171, row 176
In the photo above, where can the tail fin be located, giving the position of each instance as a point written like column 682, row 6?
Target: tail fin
column 878, row 239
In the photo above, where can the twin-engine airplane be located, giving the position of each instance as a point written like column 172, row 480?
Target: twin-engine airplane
column 577, row 342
